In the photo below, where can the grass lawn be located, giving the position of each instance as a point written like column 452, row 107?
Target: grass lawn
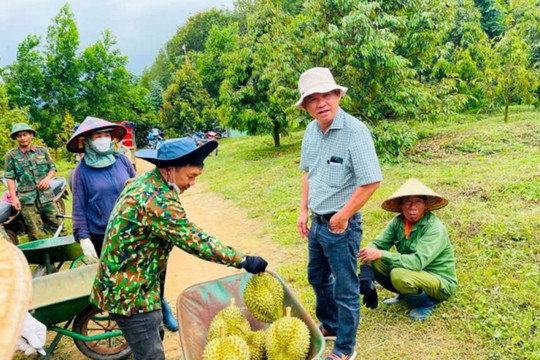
column 490, row 172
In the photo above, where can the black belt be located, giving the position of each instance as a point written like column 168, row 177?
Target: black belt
column 322, row 219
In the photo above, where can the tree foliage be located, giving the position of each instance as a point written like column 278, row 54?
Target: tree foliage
column 161, row 71
column 511, row 80
column 404, row 59
column 186, row 104
column 58, row 85
column 62, row 71
column 106, row 87
column 8, row 117
column 260, row 75
column 25, row 80
column 194, row 33
column 492, row 21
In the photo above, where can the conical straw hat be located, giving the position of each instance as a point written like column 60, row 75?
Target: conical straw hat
column 15, row 288
column 414, row 187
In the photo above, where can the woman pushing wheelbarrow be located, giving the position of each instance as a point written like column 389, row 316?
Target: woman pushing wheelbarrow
column 147, row 221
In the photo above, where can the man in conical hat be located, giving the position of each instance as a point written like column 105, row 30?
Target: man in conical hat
column 423, row 270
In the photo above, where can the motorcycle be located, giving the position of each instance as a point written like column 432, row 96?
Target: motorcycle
column 202, row 138
column 155, row 142
column 155, row 138
column 12, row 220
column 214, row 135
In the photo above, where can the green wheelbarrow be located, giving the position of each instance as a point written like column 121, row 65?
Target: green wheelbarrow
column 198, row 304
column 63, row 297
column 51, row 253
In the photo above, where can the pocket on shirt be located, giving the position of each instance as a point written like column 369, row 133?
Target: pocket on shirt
column 335, row 174
column 42, row 160
column 22, row 164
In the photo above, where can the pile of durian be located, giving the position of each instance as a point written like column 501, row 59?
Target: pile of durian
column 230, row 336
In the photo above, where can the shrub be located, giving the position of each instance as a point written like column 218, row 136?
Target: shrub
column 392, row 139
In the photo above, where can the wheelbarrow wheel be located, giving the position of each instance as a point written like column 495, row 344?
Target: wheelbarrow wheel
column 93, row 321
column 61, row 206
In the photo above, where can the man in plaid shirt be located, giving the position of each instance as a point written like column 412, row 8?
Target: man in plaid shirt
column 341, row 172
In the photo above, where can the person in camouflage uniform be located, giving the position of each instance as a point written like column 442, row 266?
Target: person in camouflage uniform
column 28, row 170
column 148, row 220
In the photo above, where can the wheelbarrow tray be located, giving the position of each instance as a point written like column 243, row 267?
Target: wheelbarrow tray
column 198, row 304
column 60, row 296
column 59, row 249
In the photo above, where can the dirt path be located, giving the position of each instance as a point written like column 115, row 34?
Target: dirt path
column 218, row 217
column 229, row 223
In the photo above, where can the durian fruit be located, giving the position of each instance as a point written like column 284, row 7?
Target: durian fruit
column 287, row 338
column 226, row 348
column 256, row 341
column 264, row 296
column 232, row 319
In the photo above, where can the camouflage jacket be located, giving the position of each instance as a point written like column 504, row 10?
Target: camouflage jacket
column 28, row 168
column 146, row 222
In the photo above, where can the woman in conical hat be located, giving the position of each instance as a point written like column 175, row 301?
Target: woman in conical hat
column 97, row 180
column 422, row 271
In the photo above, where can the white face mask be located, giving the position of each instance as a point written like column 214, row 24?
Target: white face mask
column 102, row 144
column 175, row 187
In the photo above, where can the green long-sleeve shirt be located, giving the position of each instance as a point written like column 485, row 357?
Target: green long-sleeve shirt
column 427, row 249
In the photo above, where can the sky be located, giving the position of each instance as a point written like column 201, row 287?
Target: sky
column 141, row 27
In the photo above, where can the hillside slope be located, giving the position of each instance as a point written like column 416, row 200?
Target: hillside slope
column 490, row 172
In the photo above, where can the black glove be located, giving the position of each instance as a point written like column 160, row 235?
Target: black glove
column 255, row 264
column 367, row 287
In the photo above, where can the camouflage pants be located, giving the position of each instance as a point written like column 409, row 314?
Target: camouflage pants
column 40, row 219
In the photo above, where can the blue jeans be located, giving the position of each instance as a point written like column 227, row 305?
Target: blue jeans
column 332, row 272
column 144, row 334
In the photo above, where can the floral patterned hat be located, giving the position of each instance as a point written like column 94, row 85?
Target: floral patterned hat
column 93, row 125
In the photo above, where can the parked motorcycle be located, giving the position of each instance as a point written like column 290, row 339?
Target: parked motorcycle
column 12, row 220
column 155, row 138
column 155, row 143
column 202, row 138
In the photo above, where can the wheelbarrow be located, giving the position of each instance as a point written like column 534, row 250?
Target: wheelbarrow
column 51, row 251
column 198, row 304
column 63, row 297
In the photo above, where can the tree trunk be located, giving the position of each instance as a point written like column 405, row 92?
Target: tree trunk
column 276, row 134
column 506, row 106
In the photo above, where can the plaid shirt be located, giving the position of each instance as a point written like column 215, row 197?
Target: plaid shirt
column 146, row 222
column 338, row 162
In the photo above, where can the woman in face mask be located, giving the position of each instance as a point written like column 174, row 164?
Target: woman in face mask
column 98, row 180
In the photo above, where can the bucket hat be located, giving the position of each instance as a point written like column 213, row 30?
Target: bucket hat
column 177, row 152
column 316, row 80
column 18, row 127
column 93, row 125
column 414, row 187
